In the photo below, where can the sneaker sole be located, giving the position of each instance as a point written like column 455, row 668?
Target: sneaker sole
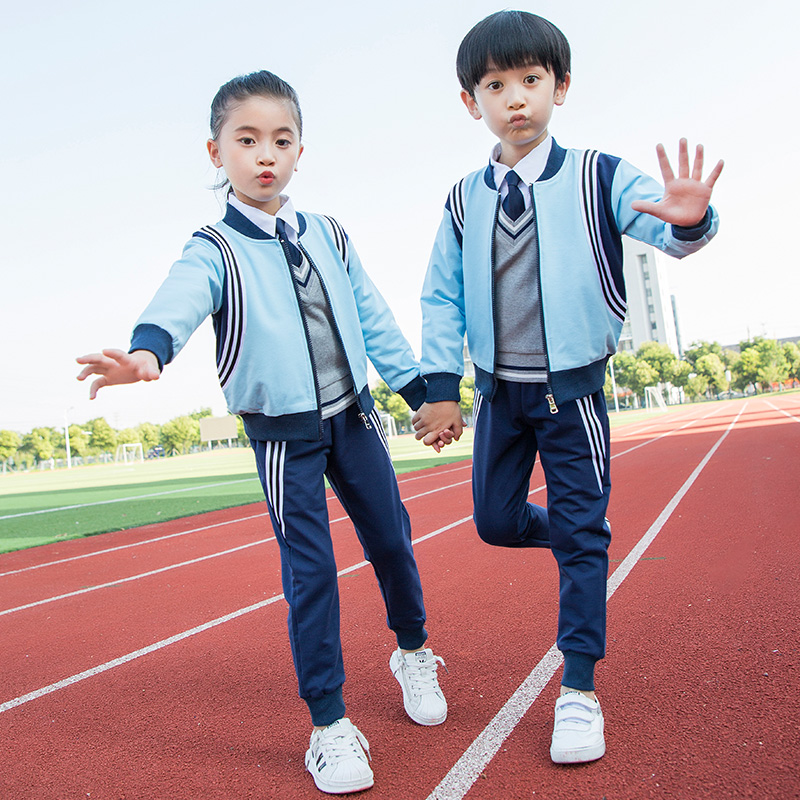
column 339, row 788
column 578, row 756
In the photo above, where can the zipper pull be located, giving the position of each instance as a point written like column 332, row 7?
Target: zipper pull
column 551, row 401
column 363, row 417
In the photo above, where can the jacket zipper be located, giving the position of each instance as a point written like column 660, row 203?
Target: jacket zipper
column 361, row 415
column 551, row 401
column 286, row 256
column 494, row 308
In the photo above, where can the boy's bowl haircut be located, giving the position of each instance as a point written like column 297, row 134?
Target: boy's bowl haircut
column 511, row 39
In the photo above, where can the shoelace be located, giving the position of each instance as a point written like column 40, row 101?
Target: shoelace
column 423, row 675
column 338, row 746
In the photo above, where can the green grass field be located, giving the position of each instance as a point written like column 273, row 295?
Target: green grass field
column 39, row 507
column 54, row 505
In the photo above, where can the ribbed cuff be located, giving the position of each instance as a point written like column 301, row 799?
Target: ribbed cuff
column 326, row 709
column 695, row 232
column 443, row 386
column 411, row 638
column 578, row 671
column 155, row 339
column 414, row 392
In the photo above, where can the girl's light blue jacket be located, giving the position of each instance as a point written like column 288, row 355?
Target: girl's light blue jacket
column 239, row 275
column 582, row 204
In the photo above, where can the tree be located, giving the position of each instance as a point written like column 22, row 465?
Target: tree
column 149, row 435
column 681, row 373
column 660, row 358
column 78, row 441
column 181, row 433
column 467, row 397
column 39, row 443
column 702, row 348
column 102, row 436
column 763, row 362
column 128, row 436
column 633, row 373
column 9, row 444
column 745, row 371
column 791, row 352
column 391, row 403
column 712, row 371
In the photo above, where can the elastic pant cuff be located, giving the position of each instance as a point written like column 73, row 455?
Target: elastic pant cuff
column 411, row 638
column 578, row 671
column 326, row 709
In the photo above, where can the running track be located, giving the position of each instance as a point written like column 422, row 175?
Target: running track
column 154, row 663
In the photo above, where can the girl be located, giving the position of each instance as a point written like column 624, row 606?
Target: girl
column 296, row 318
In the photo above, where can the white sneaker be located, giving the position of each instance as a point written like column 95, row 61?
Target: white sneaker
column 578, row 731
column 337, row 758
column 416, row 673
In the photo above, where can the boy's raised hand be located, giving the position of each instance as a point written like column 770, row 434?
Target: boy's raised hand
column 686, row 197
column 116, row 366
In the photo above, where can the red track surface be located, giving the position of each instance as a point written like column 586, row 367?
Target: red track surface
column 111, row 693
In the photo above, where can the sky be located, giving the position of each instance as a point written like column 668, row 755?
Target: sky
column 105, row 122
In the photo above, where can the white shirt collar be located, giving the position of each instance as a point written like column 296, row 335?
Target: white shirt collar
column 528, row 168
column 266, row 221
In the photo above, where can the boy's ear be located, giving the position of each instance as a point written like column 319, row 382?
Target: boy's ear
column 213, row 152
column 561, row 90
column 472, row 106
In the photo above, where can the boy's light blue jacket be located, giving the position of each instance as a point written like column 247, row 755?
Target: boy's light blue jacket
column 582, row 203
column 239, row 275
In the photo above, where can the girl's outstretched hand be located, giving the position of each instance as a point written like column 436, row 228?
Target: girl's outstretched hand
column 116, row 367
column 686, row 197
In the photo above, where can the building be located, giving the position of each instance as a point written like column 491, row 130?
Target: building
column 651, row 313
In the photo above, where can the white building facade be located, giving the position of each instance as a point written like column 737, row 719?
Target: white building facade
column 651, row 313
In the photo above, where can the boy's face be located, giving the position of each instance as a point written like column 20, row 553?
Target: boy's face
column 258, row 146
column 516, row 105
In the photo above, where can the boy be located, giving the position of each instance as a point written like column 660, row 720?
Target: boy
column 528, row 261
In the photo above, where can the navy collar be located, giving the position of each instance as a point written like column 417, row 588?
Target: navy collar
column 554, row 162
column 239, row 222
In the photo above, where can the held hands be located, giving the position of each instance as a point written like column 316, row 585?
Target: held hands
column 116, row 367
column 438, row 424
column 686, row 197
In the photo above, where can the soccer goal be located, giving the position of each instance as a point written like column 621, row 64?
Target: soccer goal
column 653, row 398
column 389, row 425
column 129, row 453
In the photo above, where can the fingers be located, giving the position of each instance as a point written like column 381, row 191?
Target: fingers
column 712, row 178
column 697, row 168
column 96, row 386
column 645, row 207
column 664, row 165
column 683, row 158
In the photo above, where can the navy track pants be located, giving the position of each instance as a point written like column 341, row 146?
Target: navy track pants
column 358, row 467
column 573, row 447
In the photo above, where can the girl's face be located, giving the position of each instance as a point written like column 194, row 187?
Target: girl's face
column 258, row 146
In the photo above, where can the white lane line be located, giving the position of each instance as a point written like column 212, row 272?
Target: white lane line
column 132, row 544
column 172, row 491
column 139, row 576
column 195, row 530
column 114, row 549
column 667, row 433
column 125, row 499
column 89, row 673
column 477, row 756
column 782, row 411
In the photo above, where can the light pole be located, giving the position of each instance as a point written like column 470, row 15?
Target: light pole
column 66, row 436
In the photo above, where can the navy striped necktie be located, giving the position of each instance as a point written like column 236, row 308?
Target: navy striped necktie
column 514, row 203
column 292, row 251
